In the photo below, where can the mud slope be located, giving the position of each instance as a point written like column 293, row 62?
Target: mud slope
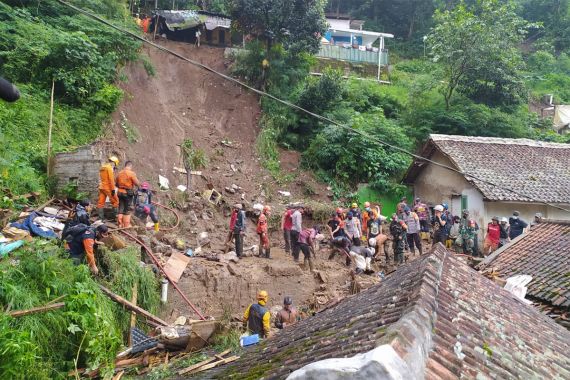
column 182, row 102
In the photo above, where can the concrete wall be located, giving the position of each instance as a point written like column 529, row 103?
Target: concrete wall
column 81, row 166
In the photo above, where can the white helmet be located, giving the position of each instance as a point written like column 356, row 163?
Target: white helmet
column 438, row 208
column 372, row 242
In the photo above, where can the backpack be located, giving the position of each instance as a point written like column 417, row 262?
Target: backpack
column 74, row 231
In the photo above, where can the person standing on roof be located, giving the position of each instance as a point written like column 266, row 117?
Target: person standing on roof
column 286, row 225
column 239, row 229
column 262, row 231
column 288, row 315
column 144, row 207
column 107, row 186
column 126, row 182
column 257, row 317
column 493, row 236
column 297, row 220
column 423, row 213
column 352, row 228
column 439, row 223
column 505, row 229
column 412, row 220
column 80, row 242
column 398, row 231
column 518, row 226
column 307, row 245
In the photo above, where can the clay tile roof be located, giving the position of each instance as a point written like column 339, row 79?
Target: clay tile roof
column 444, row 319
column 534, row 169
column 544, row 254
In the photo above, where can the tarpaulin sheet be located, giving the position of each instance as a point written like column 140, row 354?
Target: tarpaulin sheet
column 179, row 20
column 561, row 116
column 34, row 229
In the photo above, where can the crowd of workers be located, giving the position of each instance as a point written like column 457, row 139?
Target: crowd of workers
column 125, row 193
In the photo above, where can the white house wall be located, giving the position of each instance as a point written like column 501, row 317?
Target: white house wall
column 436, row 185
column 338, row 24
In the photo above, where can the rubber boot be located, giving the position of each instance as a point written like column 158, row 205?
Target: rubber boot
column 311, row 265
column 268, row 253
column 156, row 227
column 120, row 219
column 127, row 220
column 101, row 214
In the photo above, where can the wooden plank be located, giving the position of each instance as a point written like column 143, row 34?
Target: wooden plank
column 133, row 314
column 176, row 265
column 215, row 364
column 41, row 309
column 132, row 307
column 202, row 363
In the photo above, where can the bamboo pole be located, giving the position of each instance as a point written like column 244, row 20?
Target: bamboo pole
column 132, row 307
column 133, row 314
column 50, row 128
column 41, row 309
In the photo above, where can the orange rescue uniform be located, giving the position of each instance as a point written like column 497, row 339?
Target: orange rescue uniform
column 126, row 180
column 106, row 186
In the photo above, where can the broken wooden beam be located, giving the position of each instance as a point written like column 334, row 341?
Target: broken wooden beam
column 203, row 363
column 117, row 298
column 34, row 310
column 215, row 364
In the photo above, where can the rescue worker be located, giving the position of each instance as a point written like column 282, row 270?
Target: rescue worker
column 80, row 243
column 423, row 213
column 366, row 216
column 107, row 187
column 362, row 257
column 78, row 215
column 286, row 225
column 126, row 182
column 493, row 236
column 400, row 207
column 307, row 245
column 352, row 228
column 233, row 219
column 398, row 231
column 412, row 220
column 518, row 226
column 356, row 212
column 239, row 229
column 468, row 233
column 257, row 317
column 264, row 248
column 144, row 207
column 297, row 220
column 288, row 315
column 439, row 222
column 448, row 225
column 505, row 229
column 341, row 244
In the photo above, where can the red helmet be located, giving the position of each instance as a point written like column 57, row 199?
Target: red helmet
column 145, row 185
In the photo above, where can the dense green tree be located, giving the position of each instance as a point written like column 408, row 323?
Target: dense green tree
column 555, row 17
column 296, row 24
column 478, row 48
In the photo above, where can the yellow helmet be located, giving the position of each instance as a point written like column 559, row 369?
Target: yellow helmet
column 115, row 160
column 354, row 205
column 262, row 295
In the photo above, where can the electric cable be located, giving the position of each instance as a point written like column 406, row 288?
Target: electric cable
column 299, row 108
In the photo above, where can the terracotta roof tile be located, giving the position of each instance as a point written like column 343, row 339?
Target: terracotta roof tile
column 544, row 254
column 461, row 325
column 534, row 169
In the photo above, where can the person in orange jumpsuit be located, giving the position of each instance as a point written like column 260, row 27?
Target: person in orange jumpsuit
column 107, row 186
column 126, row 182
column 264, row 249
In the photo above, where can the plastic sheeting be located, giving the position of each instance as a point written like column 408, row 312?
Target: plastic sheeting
column 561, row 116
column 180, row 20
column 517, row 286
column 33, row 228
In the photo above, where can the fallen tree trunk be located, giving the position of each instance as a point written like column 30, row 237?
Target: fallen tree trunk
column 117, row 298
column 40, row 309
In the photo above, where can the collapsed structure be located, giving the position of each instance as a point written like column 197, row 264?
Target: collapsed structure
column 544, row 254
column 433, row 318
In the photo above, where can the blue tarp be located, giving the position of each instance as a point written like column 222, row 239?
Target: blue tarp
column 33, row 228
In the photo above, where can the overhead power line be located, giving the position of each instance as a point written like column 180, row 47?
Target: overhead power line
column 295, row 106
